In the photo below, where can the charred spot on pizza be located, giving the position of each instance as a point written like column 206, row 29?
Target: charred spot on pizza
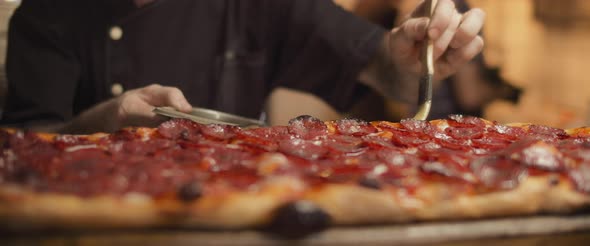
column 370, row 182
column 298, row 219
column 553, row 180
column 24, row 175
column 185, row 134
column 190, row 191
column 4, row 139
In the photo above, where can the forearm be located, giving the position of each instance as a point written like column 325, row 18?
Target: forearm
column 133, row 108
column 96, row 119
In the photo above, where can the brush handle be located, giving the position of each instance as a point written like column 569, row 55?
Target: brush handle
column 428, row 52
column 425, row 83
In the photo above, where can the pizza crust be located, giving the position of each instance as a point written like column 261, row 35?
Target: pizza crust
column 20, row 209
column 534, row 195
column 347, row 204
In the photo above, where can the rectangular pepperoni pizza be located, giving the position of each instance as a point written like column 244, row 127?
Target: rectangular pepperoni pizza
column 293, row 180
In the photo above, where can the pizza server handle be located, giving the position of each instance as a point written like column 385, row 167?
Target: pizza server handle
column 427, row 59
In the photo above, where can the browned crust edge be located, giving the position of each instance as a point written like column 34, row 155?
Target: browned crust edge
column 347, row 204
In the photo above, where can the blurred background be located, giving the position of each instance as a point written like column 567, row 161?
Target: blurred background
column 533, row 68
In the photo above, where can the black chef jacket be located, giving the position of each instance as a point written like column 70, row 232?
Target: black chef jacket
column 65, row 56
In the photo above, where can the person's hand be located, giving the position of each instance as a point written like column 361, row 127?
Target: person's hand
column 132, row 108
column 455, row 37
column 397, row 68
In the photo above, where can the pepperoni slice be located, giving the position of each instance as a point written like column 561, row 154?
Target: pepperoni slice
column 146, row 175
column 221, row 158
column 32, row 149
column 125, row 134
column 267, row 133
column 220, row 132
column 306, row 149
column 536, row 154
column 546, row 133
column 449, row 168
column 4, row 138
column 577, row 149
column 410, row 139
column 377, row 141
column 490, row 143
column 455, row 144
column 66, row 141
column 140, row 147
column 307, row 127
column 465, row 132
column 334, row 170
column 259, row 144
column 263, row 138
column 398, row 159
column 413, row 125
column 179, row 156
column 581, row 177
column 574, row 143
column 498, row 173
column 465, row 121
column 508, row 132
column 85, row 162
column 345, row 144
column 180, row 129
column 354, row 127
column 417, row 128
column 498, row 137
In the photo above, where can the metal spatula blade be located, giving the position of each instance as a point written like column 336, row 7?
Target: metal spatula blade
column 427, row 59
column 208, row 116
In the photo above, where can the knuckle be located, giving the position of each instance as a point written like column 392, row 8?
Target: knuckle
column 153, row 86
column 464, row 35
column 409, row 27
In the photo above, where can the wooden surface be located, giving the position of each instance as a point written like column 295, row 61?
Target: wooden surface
column 539, row 230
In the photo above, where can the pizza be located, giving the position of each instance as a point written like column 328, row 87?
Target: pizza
column 292, row 180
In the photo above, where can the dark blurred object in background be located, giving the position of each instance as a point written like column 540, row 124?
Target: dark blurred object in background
column 563, row 12
column 6, row 9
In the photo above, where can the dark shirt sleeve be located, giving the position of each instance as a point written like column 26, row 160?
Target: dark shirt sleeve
column 42, row 71
column 324, row 50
